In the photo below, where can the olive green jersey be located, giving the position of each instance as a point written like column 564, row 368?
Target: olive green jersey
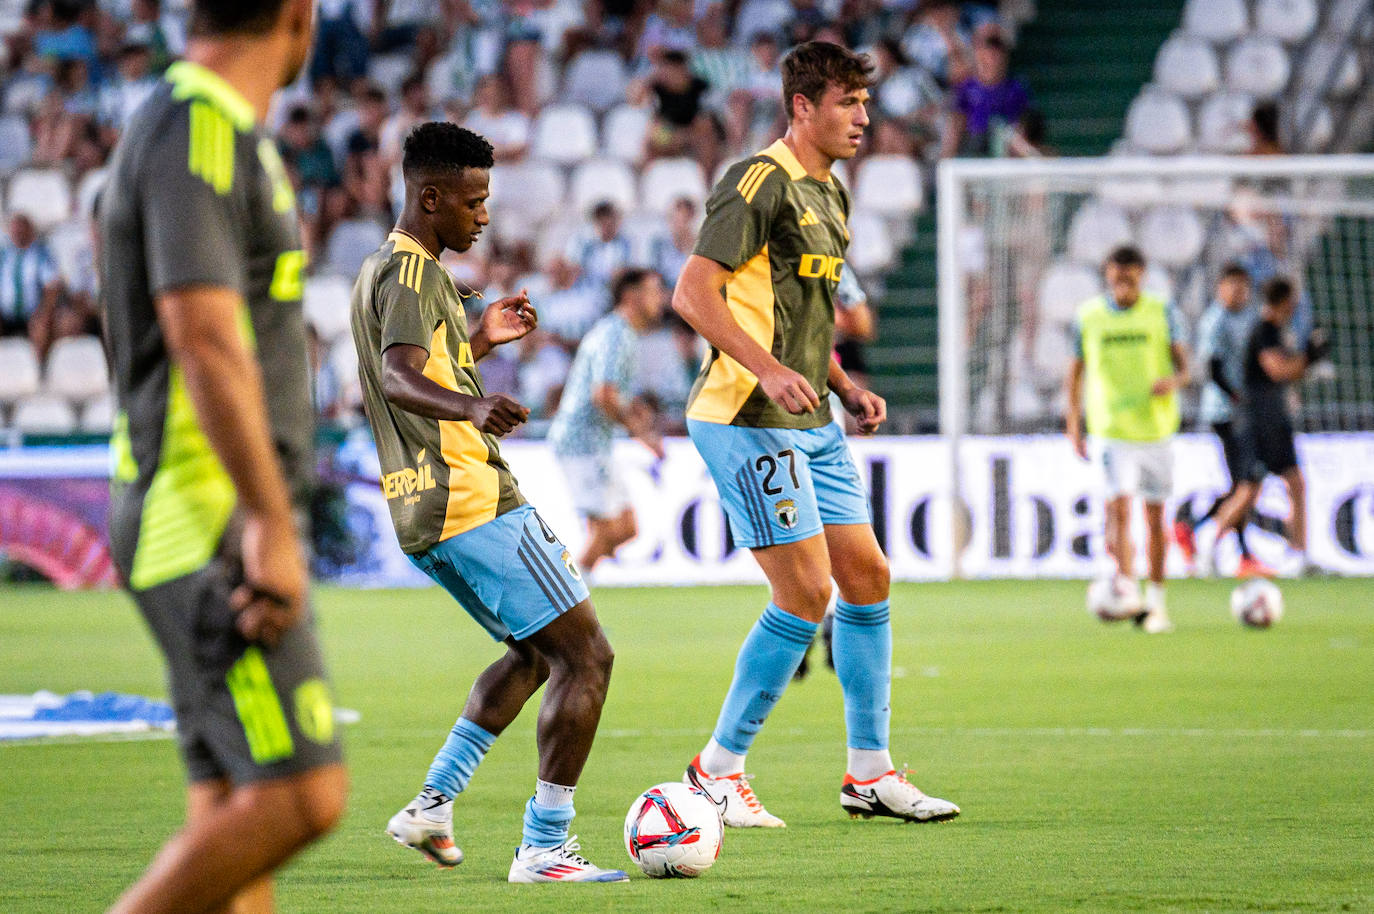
column 782, row 234
column 440, row 477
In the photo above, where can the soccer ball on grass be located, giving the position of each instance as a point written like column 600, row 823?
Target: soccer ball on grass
column 1113, row 598
column 673, row 831
column 1257, row 603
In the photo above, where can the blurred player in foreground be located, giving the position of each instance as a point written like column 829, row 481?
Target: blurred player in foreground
column 1265, row 432
column 460, row 517
column 1129, row 367
column 202, row 279
column 774, row 240
column 597, row 398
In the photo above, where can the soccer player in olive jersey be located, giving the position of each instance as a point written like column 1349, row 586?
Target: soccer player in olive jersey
column 461, row 518
column 202, row 284
column 774, row 240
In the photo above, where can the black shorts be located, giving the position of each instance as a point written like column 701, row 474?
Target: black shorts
column 244, row 712
column 1264, row 444
column 1231, row 450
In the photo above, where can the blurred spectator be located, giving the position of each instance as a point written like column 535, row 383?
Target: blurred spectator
column 544, row 364
column 907, row 93
column 681, row 125
column 670, row 27
column 415, row 109
column 365, row 172
column 341, row 44
column 668, row 251
column 936, row 43
column 724, row 66
column 987, row 103
column 30, row 286
column 308, row 160
column 1263, row 128
column 597, row 252
column 162, row 33
column 756, row 16
column 134, row 80
column 570, row 307
column 65, row 33
column 492, row 116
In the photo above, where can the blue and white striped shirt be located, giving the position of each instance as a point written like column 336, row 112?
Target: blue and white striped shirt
column 24, row 274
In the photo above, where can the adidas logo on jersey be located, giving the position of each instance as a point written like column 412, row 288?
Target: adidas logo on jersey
column 809, row 218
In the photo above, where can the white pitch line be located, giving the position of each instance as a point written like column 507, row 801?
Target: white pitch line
column 1051, row 732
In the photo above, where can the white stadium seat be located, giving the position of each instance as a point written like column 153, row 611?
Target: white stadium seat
column 72, row 248
column 1290, row 21
column 1186, row 65
column 1171, row 236
column 1158, row 281
column 76, row 368
column 43, row 415
column 41, row 194
column 1157, row 122
column 596, row 180
column 351, row 242
column 16, row 143
column 1053, row 350
column 1096, row 228
column 1063, row 287
column 665, row 180
column 1343, row 15
column 871, row 248
column 20, row 376
column 565, row 134
column 552, row 239
column 97, row 416
column 1204, row 192
column 595, row 79
column 624, row 132
column 326, row 303
column 1222, row 120
column 531, row 191
column 1317, row 68
column 1219, row 21
column 889, row 185
column 1258, row 66
column 1317, row 133
column 1131, row 192
column 88, row 191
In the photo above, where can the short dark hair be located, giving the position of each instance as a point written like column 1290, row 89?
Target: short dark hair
column 1278, row 290
column 1126, row 255
column 444, row 146
column 1265, row 117
column 226, row 17
column 605, row 209
column 626, row 280
column 809, row 68
column 1235, row 270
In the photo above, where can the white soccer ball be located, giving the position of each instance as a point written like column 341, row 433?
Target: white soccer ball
column 1113, row 598
column 1257, row 603
column 673, row 831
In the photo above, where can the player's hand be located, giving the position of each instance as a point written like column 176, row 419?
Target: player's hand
column 1318, row 346
column 1080, row 441
column 497, row 414
column 789, row 390
column 865, row 406
column 509, row 319
column 272, row 598
column 1164, row 386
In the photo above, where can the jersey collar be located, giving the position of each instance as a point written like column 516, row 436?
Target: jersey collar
column 780, row 153
column 408, row 243
column 191, row 79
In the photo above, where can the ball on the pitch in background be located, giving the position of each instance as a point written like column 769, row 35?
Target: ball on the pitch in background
column 1113, row 598
column 673, row 830
column 1257, row 603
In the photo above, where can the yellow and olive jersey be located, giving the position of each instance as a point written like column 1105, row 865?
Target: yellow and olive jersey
column 197, row 196
column 440, row 477
column 1124, row 352
column 783, row 235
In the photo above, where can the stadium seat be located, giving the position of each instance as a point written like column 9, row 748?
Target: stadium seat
column 889, row 185
column 531, row 190
column 44, row 415
column 603, row 179
column 71, row 247
column 76, row 368
column 390, row 70
column 1157, row 122
column 596, row 80
column 1052, row 351
column 565, row 134
column 1095, row 229
column 1316, row 133
column 1131, row 193
column 350, row 244
column 624, row 131
column 664, row 180
column 871, row 248
column 1222, row 120
column 1158, row 281
column 1290, row 21
column 1317, row 68
column 20, row 376
column 97, row 416
column 1186, row 65
column 1258, row 66
column 1202, row 192
column 553, row 238
column 1219, row 21
column 1063, row 287
column 326, row 303
column 1171, row 236
column 42, row 194
column 16, row 143
column 92, row 183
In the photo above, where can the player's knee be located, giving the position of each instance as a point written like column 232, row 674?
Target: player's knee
column 629, row 529
column 321, row 798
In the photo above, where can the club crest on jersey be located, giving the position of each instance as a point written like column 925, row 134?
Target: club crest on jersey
column 786, row 513
column 818, row 266
column 409, row 483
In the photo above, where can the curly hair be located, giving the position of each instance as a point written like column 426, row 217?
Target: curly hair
column 810, row 67
column 444, row 146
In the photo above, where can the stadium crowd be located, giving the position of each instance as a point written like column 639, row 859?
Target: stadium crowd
column 609, row 119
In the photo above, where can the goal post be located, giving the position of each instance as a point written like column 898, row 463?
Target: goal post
column 1020, row 244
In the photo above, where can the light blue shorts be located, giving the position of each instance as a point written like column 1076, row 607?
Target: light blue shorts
column 511, row 574
column 781, row 485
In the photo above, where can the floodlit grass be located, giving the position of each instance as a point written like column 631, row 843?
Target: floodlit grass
column 1215, row 769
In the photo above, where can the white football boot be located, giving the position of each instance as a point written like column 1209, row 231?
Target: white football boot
column 893, row 795
column 412, row 828
column 739, row 807
column 1154, row 622
column 559, row 864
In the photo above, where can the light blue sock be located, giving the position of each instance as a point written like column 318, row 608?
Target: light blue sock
column 862, row 645
column 546, row 826
column 462, row 752
column 767, row 660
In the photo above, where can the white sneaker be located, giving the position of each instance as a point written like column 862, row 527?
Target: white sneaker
column 1155, row 622
column 559, row 864
column 739, row 808
column 893, row 795
column 433, row 839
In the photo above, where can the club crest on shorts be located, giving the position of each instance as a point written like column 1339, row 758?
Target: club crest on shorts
column 786, row 513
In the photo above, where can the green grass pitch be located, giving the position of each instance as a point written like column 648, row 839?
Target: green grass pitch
column 1215, row 769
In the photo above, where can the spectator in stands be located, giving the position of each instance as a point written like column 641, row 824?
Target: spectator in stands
column 1263, row 128
column 341, row 44
column 987, row 103
column 30, row 287
column 669, row 250
column 66, row 111
column 134, row 80
column 308, row 160
column 544, row 364
column 755, row 16
column 365, row 174
column 162, row 33
column 415, row 110
column 67, row 34
column 907, row 93
column 570, row 307
column 724, row 66
column 597, row 252
column 507, row 129
column 670, row 27
column 681, row 125
column 935, row 42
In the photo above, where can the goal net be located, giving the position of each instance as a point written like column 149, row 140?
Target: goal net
column 1021, row 243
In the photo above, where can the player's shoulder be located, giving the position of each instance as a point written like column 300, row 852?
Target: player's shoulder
column 403, row 263
column 1089, row 306
column 763, row 175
